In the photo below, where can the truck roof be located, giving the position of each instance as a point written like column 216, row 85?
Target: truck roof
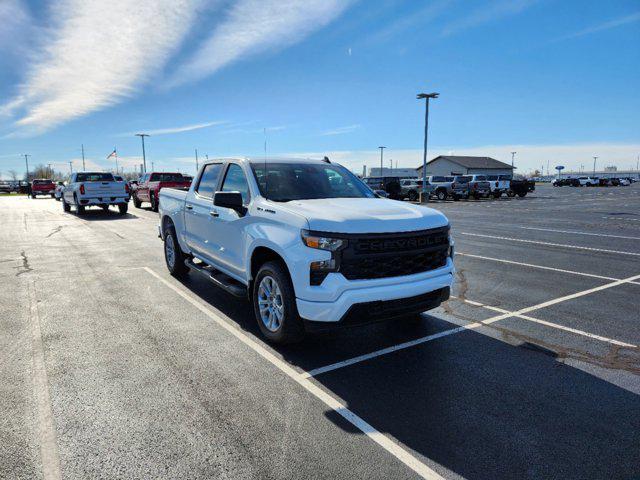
column 259, row 160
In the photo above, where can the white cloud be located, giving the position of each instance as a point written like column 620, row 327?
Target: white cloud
column 635, row 17
column 486, row 14
column 341, row 130
column 528, row 157
column 168, row 131
column 96, row 54
column 256, row 26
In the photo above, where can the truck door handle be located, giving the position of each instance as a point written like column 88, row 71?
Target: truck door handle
column 214, row 214
column 189, row 207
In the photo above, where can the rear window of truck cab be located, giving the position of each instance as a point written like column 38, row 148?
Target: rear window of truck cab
column 94, row 177
column 167, row 177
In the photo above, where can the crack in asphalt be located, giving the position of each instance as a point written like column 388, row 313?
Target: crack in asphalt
column 54, row 231
column 25, row 264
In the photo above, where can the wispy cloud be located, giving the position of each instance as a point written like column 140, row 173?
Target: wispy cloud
column 416, row 18
column 96, row 54
column 486, row 14
column 15, row 20
column 341, row 130
column 170, row 130
column 618, row 22
column 257, row 26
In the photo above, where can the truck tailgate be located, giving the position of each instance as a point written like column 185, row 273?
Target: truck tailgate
column 104, row 189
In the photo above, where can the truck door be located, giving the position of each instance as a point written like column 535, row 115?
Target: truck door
column 228, row 224
column 199, row 234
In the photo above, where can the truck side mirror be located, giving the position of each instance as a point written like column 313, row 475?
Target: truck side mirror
column 232, row 200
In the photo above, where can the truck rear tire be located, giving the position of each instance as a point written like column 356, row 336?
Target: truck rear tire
column 441, row 194
column 274, row 304
column 123, row 208
column 173, row 255
column 413, row 195
column 136, row 203
column 154, row 202
column 65, row 206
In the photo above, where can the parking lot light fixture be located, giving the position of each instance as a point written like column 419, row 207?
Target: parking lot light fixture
column 513, row 156
column 381, row 155
column 594, row 165
column 144, row 156
column 426, row 96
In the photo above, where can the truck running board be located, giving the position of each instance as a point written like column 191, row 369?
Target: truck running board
column 219, row 279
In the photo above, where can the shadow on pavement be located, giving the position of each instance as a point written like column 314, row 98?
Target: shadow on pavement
column 480, row 407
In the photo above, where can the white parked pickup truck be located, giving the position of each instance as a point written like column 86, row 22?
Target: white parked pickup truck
column 307, row 242
column 94, row 189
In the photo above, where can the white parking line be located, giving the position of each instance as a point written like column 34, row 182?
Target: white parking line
column 548, row 324
column 541, row 267
column 47, row 430
column 574, row 232
column 488, row 321
column 382, row 440
column 591, row 249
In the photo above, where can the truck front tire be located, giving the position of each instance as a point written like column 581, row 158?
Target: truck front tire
column 154, row 202
column 173, row 255
column 136, row 203
column 274, row 304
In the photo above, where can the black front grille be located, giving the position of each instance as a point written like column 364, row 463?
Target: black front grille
column 392, row 255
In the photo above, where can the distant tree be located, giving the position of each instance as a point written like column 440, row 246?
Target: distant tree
column 14, row 175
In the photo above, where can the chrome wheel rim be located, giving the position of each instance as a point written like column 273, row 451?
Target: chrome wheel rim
column 170, row 251
column 270, row 304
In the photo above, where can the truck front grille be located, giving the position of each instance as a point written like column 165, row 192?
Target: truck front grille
column 373, row 256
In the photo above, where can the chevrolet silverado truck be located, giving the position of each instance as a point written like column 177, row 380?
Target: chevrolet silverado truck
column 42, row 186
column 308, row 243
column 441, row 186
column 94, row 189
column 465, row 186
column 499, row 184
column 150, row 184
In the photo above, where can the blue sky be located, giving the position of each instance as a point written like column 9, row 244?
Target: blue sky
column 555, row 80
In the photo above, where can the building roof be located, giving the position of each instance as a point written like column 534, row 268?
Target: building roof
column 473, row 162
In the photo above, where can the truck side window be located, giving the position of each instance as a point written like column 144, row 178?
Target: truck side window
column 235, row 181
column 209, row 180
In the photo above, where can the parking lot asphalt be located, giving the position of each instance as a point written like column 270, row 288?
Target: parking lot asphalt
column 111, row 368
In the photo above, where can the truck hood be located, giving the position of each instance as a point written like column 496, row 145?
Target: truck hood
column 366, row 215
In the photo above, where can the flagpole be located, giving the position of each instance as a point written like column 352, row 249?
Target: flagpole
column 116, row 152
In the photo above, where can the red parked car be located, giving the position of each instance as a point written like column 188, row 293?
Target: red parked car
column 43, row 186
column 151, row 183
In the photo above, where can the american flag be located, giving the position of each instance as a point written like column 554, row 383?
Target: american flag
column 112, row 154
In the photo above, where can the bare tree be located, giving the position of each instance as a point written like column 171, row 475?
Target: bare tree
column 14, row 175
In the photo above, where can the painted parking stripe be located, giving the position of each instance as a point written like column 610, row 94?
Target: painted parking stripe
column 382, row 440
column 578, row 247
column 541, row 267
column 574, row 232
column 471, row 326
column 549, row 324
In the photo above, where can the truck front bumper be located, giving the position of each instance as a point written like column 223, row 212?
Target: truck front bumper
column 411, row 294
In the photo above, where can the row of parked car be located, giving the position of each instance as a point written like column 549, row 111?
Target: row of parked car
column 453, row 187
column 593, row 182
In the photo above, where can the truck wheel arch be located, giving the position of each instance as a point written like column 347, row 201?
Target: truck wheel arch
column 259, row 257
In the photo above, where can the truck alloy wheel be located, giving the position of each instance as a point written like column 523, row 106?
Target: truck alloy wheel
column 441, row 195
column 270, row 303
column 173, row 255
column 274, row 304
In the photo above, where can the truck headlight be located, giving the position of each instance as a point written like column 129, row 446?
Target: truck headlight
column 322, row 243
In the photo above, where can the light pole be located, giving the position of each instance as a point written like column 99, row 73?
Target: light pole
column 381, row 155
column 26, row 161
column 144, row 157
column 197, row 160
column 71, row 166
column 513, row 155
column 594, row 165
column 426, row 96
column 83, row 167
column 49, row 170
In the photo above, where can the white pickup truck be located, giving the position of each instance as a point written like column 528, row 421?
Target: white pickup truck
column 94, row 189
column 307, row 242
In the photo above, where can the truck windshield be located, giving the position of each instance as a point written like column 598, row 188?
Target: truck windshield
column 167, row 177
column 94, row 177
column 305, row 181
